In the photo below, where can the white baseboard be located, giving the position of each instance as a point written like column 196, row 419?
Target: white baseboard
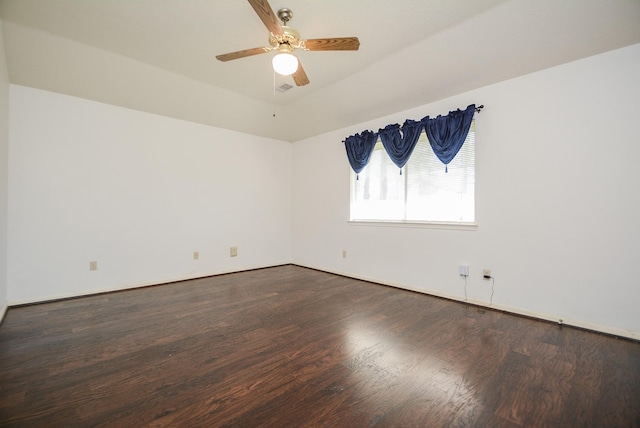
column 517, row 311
column 133, row 286
column 629, row 334
column 3, row 311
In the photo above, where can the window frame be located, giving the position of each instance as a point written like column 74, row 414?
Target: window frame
column 429, row 224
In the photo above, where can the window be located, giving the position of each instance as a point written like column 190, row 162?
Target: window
column 423, row 193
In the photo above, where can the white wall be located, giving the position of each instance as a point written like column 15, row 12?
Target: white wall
column 138, row 193
column 557, row 201
column 4, row 147
column 88, row 72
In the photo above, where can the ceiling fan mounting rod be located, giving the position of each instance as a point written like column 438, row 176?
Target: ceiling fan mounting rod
column 285, row 15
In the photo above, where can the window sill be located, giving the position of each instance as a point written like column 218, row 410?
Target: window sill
column 419, row 224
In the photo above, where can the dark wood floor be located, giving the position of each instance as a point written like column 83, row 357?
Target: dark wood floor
column 294, row 347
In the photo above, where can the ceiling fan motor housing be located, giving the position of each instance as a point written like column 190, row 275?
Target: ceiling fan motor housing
column 289, row 36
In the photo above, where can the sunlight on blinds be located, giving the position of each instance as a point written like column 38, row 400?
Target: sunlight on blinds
column 424, row 191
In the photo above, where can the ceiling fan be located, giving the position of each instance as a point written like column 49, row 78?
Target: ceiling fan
column 285, row 40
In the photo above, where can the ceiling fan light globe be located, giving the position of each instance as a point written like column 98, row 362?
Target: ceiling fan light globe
column 285, row 64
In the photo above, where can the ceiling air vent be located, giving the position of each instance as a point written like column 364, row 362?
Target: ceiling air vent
column 284, row 87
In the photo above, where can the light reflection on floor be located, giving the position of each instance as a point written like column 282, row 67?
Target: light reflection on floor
column 381, row 364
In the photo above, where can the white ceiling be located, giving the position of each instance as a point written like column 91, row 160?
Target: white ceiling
column 159, row 55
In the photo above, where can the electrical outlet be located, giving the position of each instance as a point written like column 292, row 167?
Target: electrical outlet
column 463, row 270
column 486, row 273
column 196, row 255
column 93, row 265
column 233, row 251
column 344, row 254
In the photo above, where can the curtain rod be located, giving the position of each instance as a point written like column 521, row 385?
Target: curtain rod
column 478, row 109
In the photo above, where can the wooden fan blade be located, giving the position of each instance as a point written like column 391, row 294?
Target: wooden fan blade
column 300, row 77
column 335, row 44
column 241, row 54
column 264, row 11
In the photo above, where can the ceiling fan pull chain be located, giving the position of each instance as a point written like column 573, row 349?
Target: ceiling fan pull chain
column 274, row 92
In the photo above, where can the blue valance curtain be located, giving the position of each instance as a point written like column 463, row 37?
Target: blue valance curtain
column 446, row 134
column 359, row 148
column 399, row 142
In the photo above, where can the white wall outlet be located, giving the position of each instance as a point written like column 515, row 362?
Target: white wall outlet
column 486, row 273
column 463, row 270
column 93, row 265
column 233, row 251
column 196, row 255
column 344, row 254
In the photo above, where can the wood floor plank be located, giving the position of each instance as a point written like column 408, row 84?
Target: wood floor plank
column 295, row 347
